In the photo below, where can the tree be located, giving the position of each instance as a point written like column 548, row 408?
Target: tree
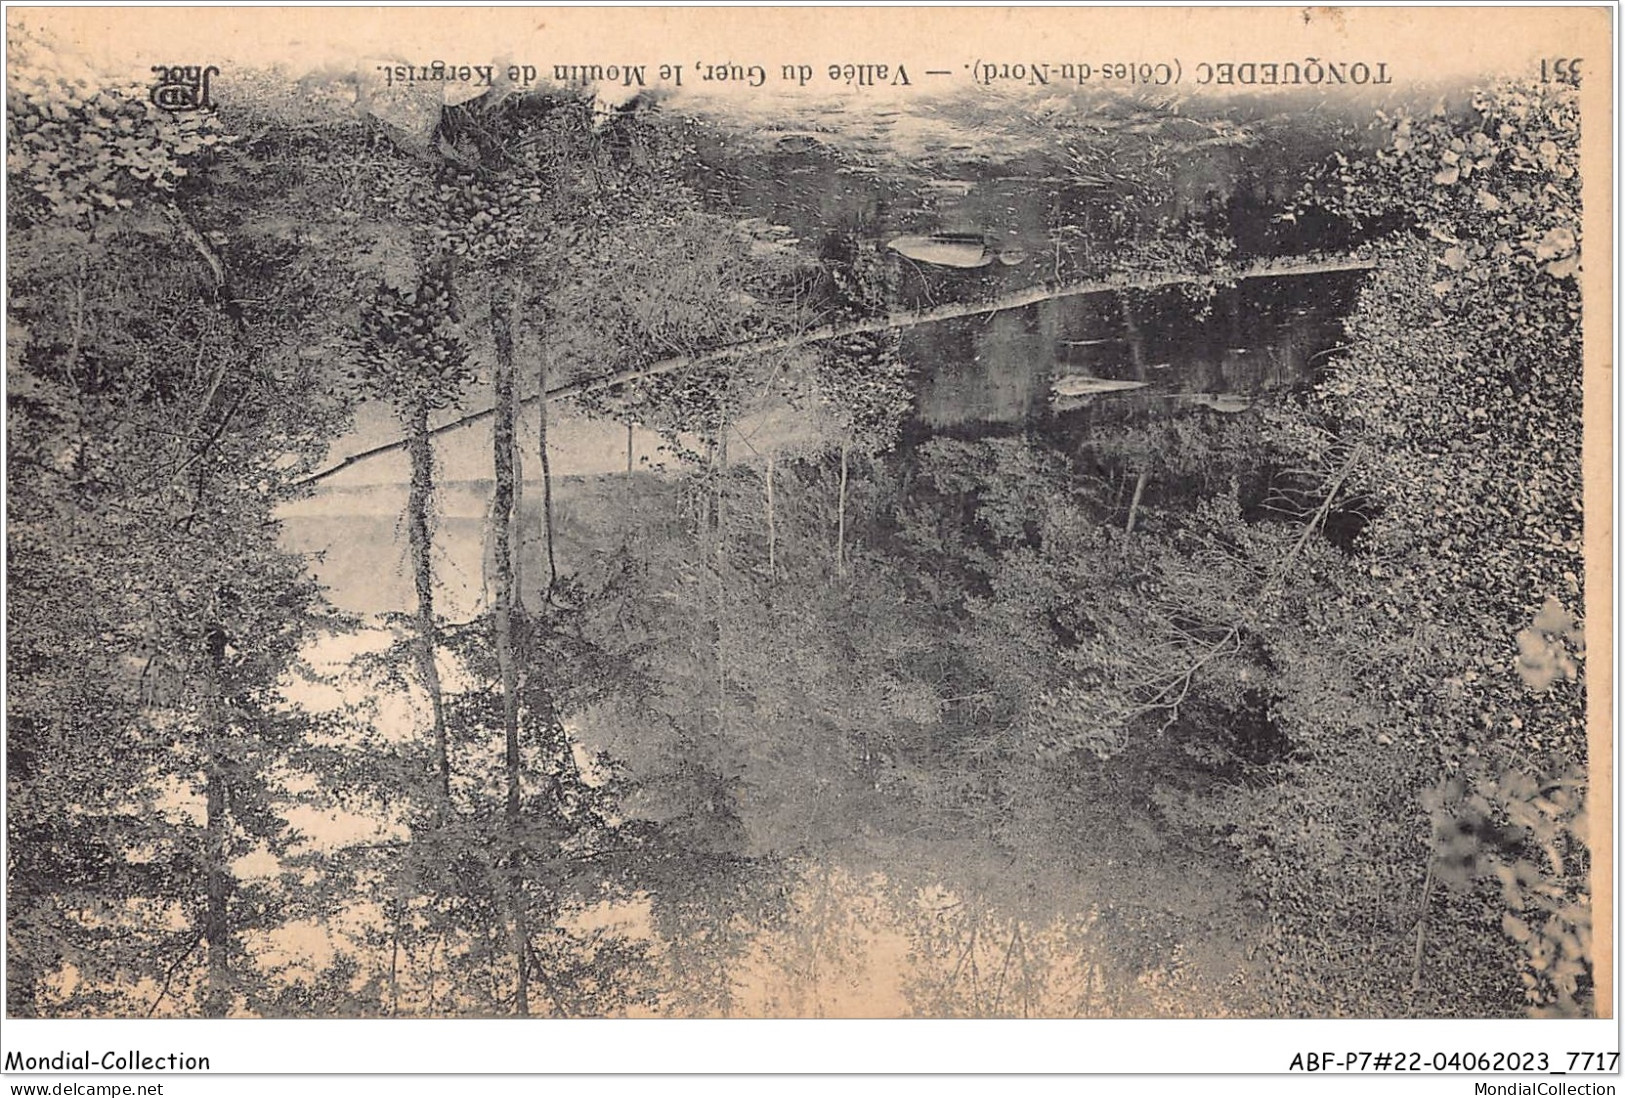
column 153, row 427
column 416, row 362
column 522, row 190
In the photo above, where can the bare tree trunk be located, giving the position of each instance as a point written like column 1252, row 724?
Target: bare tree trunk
column 705, row 494
column 216, row 923
column 1134, row 504
column 840, row 519
column 718, row 478
column 771, row 533
column 1274, row 268
column 439, row 944
column 1417, row 954
column 721, row 495
column 419, row 503
column 217, row 842
column 395, row 960
column 628, row 521
column 547, row 479
column 504, row 301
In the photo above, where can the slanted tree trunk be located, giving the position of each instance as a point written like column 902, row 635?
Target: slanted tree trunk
column 1418, row 955
column 419, row 503
column 840, row 518
column 1134, row 504
column 547, row 476
column 503, row 305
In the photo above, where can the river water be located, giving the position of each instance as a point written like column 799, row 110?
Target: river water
column 993, row 373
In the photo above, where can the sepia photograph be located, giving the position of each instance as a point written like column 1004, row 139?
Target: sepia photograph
column 845, row 529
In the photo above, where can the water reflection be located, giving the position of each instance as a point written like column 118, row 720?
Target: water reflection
column 1263, row 336
column 870, row 944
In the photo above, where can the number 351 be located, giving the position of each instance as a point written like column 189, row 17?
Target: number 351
column 1563, row 69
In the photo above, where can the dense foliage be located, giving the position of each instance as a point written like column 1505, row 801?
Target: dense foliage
column 1160, row 708
column 1456, row 416
column 151, row 613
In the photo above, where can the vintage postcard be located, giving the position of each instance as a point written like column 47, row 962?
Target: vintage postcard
column 743, row 513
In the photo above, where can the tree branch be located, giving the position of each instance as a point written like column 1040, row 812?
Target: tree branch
column 890, row 322
column 200, row 245
column 169, row 973
column 1182, row 681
